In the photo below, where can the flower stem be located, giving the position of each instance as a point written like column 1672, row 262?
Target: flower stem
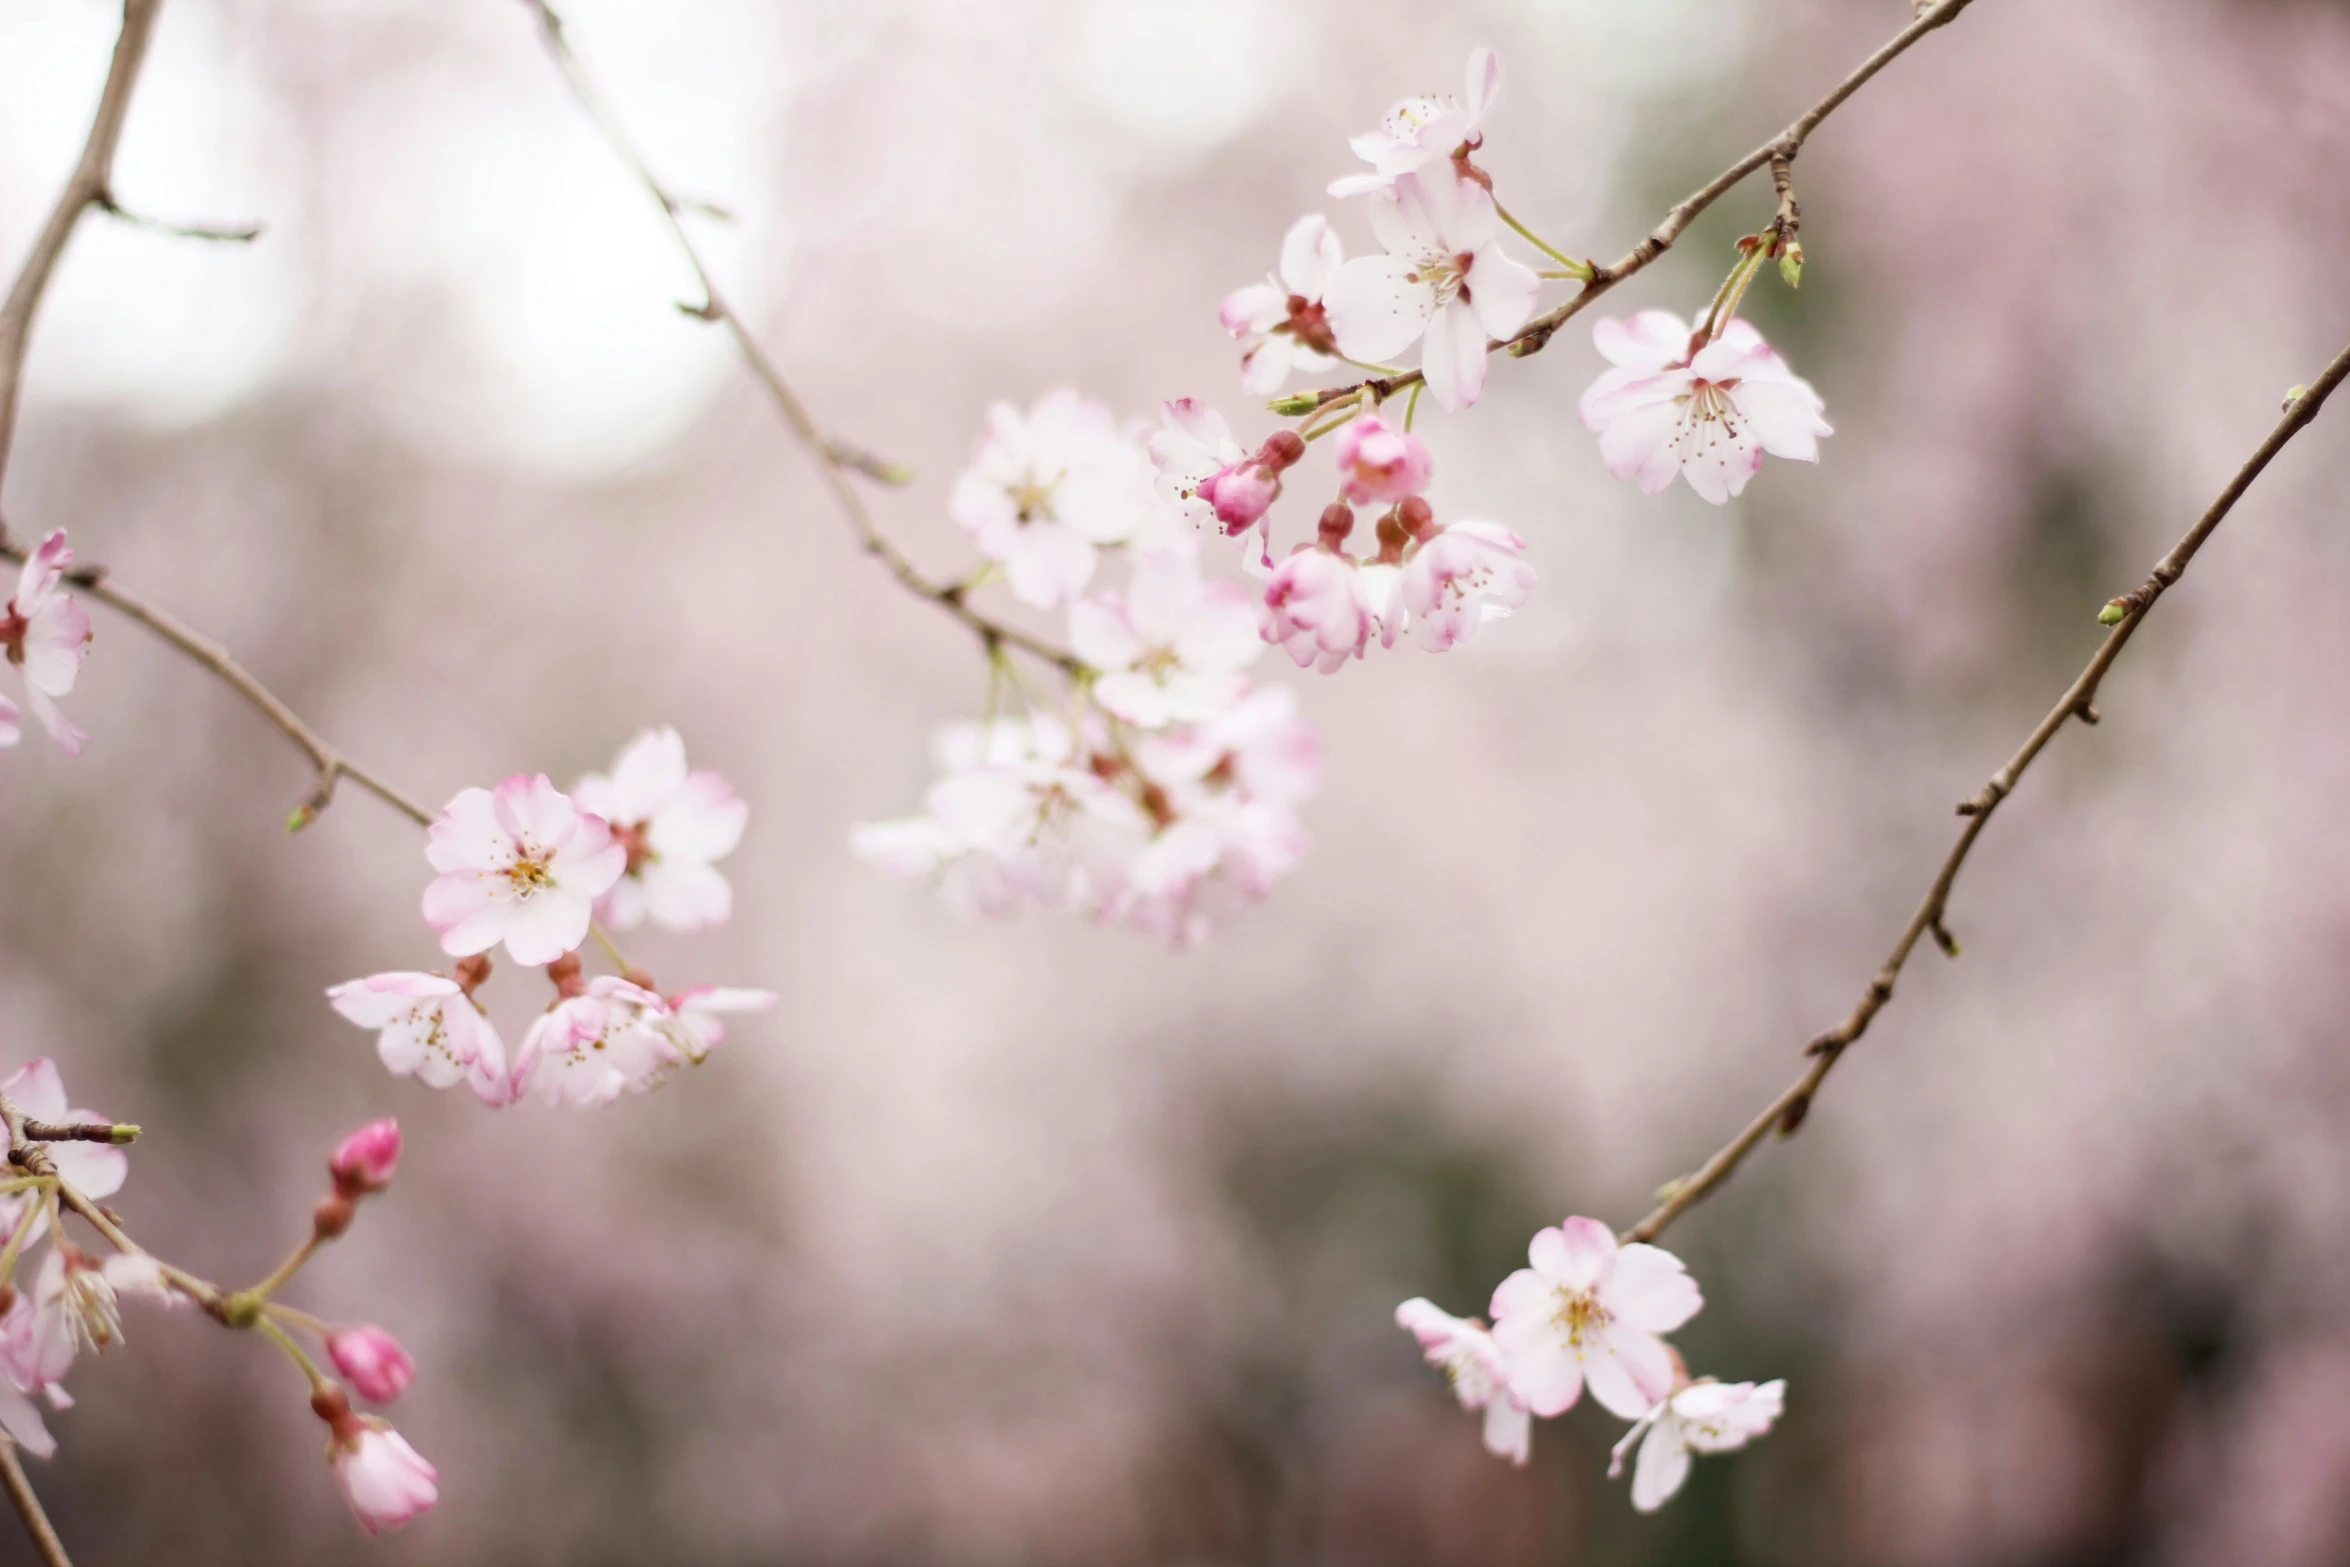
column 294, row 1351
column 285, row 1270
column 1353, row 406
column 1412, row 406
column 1732, row 293
column 1580, row 271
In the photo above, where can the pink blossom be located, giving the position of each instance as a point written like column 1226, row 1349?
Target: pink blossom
column 1423, row 131
column 1588, row 1310
column 591, row 1048
column 1281, row 319
column 382, row 1477
column 1323, row 607
column 1465, row 1352
column 366, row 1159
column 373, row 1361
column 1208, row 479
column 1172, row 649
column 694, row 1025
column 1379, row 464
column 428, row 1027
column 1700, row 1417
column 45, row 634
column 1047, row 488
column 523, row 866
column 1444, row 275
column 1708, row 412
column 1461, row 577
column 676, row 825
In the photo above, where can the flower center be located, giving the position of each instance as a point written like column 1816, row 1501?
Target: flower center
column 528, row 875
column 1032, row 498
column 1309, row 325
column 1580, row 1315
column 12, row 629
column 633, row 836
column 1448, row 276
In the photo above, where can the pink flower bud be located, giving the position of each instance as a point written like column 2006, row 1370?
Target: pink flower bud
column 374, row 1361
column 1241, row 495
column 367, row 1158
column 1379, row 464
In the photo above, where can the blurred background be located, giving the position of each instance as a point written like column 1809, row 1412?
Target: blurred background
column 1035, row 1243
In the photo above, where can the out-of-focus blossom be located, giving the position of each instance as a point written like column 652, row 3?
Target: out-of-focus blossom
column 45, row 634
column 1465, row 1352
column 1281, row 319
column 97, row 1170
column 693, row 1026
column 591, row 1048
column 428, row 1026
column 384, row 1479
column 1708, row 412
column 1699, row 1417
column 521, row 865
column 1420, row 132
column 1379, row 464
column 373, row 1361
column 675, row 826
column 1444, row 275
column 1460, row 577
column 1047, row 488
column 1172, row 648
column 1589, row 1311
column 366, row 1160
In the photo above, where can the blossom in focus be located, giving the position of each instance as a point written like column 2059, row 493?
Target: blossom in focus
column 1378, row 464
column 1047, row 488
column 1460, row 577
column 1281, row 319
column 591, row 1048
column 521, row 865
column 1590, row 1311
column 1699, row 1417
column 429, row 1027
column 1323, row 607
column 1465, row 1352
column 1420, row 132
column 372, row 1360
column 366, row 1159
column 1444, row 276
column 1172, row 648
column 382, row 1477
column 1705, row 411
column 675, row 826
column 1205, row 476
column 44, row 633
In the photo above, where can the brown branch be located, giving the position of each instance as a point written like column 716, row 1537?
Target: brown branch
column 1782, row 148
column 28, row 1507
column 835, row 458
column 80, row 1132
column 1786, row 1113
column 86, row 188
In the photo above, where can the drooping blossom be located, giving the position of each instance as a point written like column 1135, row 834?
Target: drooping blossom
column 1444, row 276
column 1460, row 577
column 1172, row 647
column 675, row 826
column 73, row 1309
column 367, row 1158
column 430, row 1027
column 373, row 1361
column 591, row 1048
column 1465, row 1352
column 1210, row 481
column 521, row 865
column 1705, row 411
column 1323, row 606
column 1379, row 464
column 1698, row 1417
column 1590, row 1311
column 45, row 634
column 1281, row 319
column 1049, row 487
column 1424, row 131
column 694, row 1025
column 384, row 1479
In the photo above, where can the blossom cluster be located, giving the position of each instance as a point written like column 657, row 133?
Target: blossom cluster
column 533, row 870
column 1589, row 1312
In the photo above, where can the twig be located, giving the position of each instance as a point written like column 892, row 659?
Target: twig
column 835, row 458
column 28, row 1507
column 80, row 1132
column 86, row 188
column 1786, row 1113
column 240, row 234
column 1783, row 147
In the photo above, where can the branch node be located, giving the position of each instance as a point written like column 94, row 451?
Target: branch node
column 1942, row 937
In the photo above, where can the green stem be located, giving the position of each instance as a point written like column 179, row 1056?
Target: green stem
column 284, row 1270
column 285, row 1341
column 1580, row 271
column 1412, row 406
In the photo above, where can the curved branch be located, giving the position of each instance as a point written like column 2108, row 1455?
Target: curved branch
column 1786, row 1113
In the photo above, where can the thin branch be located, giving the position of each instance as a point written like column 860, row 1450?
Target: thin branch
column 86, row 188
column 81, row 1132
column 1786, row 1113
column 837, row 459
column 225, row 234
column 1783, row 147
column 28, row 1507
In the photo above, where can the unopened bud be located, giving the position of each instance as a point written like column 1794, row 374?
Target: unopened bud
column 1296, row 405
column 374, row 1361
column 1791, row 264
column 300, row 817
column 1282, row 449
column 2294, row 395
column 2114, row 613
column 365, row 1161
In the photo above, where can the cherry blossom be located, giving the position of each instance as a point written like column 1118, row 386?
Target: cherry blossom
column 1465, row 1352
column 591, row 1048
column 1323, row 606
column 523, row 866
column 366, row 1160
column 1281, row 319
column 1698, row 1417
column 1424, row 131
column 1705, row 410
column 45, row 634
column 373, row 1361
column 694, row 1026
column 1208, row 479
column 1172, row 648
column 1047, row 488
column 1444, row 276
column 430, row 1027
column 675, row 825
column 1460, row 577
column 382, row 1477
column 1379, row 464
column 1590, row 1311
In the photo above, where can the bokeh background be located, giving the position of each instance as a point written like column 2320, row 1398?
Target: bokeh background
column 1035, row 1243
